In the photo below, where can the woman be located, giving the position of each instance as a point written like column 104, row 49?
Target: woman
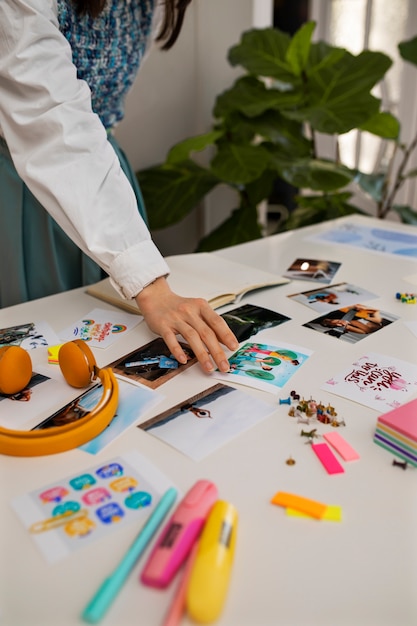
column 69, row 202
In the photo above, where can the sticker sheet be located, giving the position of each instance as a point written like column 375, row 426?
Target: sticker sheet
column 101, row 328
column 264, row 366
column 375, row 380
column 93, row 503
column 201, row 424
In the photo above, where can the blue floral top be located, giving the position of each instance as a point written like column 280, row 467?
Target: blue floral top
column 108, row 50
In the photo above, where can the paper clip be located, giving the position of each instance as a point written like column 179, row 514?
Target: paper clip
column 58, row 520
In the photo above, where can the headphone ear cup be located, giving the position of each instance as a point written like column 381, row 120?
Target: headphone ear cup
column 15, row 369
column 77, row 363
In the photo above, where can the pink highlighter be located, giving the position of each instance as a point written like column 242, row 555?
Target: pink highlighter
column 179, row 535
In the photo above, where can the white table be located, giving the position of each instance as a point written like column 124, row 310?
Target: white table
column 287, row 572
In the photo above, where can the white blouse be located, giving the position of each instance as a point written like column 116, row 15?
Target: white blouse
column 60, row 148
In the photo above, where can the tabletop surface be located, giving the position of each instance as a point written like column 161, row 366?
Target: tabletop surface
column 360, row 571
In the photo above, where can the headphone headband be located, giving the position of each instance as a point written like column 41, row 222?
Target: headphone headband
column 62, row 438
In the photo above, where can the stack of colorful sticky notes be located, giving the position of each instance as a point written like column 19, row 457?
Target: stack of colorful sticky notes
column 396, row 431
column 53, row 352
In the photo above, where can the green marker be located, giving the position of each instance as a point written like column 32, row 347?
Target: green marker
column 111, row 586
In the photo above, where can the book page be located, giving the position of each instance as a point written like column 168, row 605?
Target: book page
column 204, row 275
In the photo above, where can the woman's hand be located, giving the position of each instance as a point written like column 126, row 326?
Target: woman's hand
column 167, row 314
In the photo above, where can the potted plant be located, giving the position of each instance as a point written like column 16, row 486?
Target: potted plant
column 266, row 126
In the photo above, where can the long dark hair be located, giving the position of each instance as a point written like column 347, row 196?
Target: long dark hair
column 174, row 12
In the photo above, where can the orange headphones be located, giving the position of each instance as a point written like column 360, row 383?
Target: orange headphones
column 79, row 369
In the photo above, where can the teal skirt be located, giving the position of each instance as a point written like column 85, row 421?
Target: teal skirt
column 37, row 258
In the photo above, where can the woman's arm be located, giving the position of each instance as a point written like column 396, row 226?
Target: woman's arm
column 60, row 148
column 61, row 152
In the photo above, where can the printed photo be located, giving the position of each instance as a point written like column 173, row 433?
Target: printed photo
column 206, row 421
column 264, row 366
column 71, row 412
column 249, row 319
column 152, row 364
column 312, row 269
column 28, row 336
column 332, row 297
column 353, row 323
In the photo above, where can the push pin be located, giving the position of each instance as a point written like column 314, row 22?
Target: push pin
column 402, row 464
column 310, row 434
column 285, row 401
column 290, row 461
column 409, row 298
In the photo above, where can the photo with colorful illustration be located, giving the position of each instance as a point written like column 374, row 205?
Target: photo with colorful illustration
column 101, row 328
column 265, row 366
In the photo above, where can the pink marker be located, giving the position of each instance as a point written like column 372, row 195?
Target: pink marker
column 179, row 535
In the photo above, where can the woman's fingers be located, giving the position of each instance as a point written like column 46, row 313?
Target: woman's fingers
column 169, row 315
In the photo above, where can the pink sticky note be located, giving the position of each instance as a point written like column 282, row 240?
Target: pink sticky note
column 341, row 446
column 327, row 458
column 402, row 419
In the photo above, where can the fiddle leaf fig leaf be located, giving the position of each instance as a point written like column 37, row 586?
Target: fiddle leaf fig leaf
column 240, row 164
column 408, row 50
column 263, row 53
column 181, row 151
column 299, row 48
column 384, row 125
column 171, row 192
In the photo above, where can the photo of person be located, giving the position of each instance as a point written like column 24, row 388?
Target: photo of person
column 312, row 269
column 249, row 319
column 71, row 412
column 200, row 424
column 332, row 297
column 25, row 394
column 352, row 323
column 152, row 364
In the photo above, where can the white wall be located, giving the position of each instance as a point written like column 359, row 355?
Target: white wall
column 174, row 95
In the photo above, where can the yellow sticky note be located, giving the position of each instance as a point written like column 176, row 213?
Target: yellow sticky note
column 53, row 353
column 333, row 513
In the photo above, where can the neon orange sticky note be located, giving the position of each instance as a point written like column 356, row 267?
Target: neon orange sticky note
column 305, row 505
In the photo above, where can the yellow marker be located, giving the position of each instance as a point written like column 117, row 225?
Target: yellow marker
column 333, row 513
column 57, row 520
column 305, row 505
column 210, row 574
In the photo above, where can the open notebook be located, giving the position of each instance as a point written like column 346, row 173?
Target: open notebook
column 204, row 274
